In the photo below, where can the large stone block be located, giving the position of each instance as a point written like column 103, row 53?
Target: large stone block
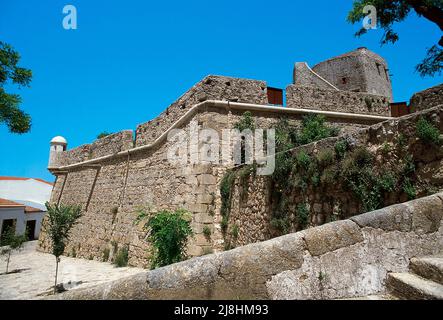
column 396, row 217
column 332, row 236
column 427, row 213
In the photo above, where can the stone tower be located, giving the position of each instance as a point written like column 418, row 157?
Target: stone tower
column 58, row 144
column 360, row 70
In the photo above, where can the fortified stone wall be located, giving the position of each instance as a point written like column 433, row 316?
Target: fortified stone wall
column 112, row 190
column 389, row 142
column 340, row 101
column 210, row 88
column 360, row 70
column 342, row 259
column 306, row 77
column 108, row 145
column 427, row 98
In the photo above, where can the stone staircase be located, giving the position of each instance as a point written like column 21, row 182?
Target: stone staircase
column 423, row 282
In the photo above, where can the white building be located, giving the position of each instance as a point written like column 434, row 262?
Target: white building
column 22, row 204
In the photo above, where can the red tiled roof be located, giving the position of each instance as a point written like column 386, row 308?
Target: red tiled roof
column 4, row 203
column 18, row 178
column 9, row 203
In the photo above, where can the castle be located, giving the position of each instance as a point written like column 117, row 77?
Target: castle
column 114, row 176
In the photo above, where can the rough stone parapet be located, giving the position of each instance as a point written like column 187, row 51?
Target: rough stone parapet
column 210, row 88
column 427, row 98
column 108, row 145
column 305, row 97
column 289, row 267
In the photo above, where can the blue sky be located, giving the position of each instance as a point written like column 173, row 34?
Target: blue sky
column 128, row 60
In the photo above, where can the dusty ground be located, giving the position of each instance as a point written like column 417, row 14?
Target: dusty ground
column 38, row 270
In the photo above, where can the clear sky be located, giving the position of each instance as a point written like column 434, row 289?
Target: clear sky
column 128, row 60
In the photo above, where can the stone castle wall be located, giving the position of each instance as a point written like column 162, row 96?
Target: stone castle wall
column 252, row 209
column 427, row 98
column 111, row 144
column 210, row 88
column 360, row 71
column 111, row 190
column 339, row 101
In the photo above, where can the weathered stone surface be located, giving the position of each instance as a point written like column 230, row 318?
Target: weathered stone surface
column 332, row 236
column 427, row 98
column 427, row 215
column 410, row 286
column 429, row 267
column 396, row 217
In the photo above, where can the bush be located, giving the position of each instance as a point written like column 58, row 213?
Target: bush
column 427, row 132
column 245, row 122
column 121, row 258
column 302, row 215
column 103, row 134
column 303, row 160
column 169, row 233
column 409, row 189
column 341, row 147
column 325, row 158
column 314, row 128
column 280, row 224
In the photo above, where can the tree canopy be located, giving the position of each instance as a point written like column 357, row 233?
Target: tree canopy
column 390, row 12
column 17, row 120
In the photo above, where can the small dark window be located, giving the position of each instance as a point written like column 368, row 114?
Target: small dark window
column 344, row 80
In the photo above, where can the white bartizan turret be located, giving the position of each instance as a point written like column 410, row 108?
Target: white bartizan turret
column 58, row 144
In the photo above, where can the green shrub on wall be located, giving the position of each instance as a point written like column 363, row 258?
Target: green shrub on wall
column 427, row 132
column 168, row 233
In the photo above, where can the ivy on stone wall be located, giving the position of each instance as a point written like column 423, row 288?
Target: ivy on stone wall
column 371, row 176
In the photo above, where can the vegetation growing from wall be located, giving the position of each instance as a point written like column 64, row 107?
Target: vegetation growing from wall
column 313, row 128
column 368, row 177
column 168, row 233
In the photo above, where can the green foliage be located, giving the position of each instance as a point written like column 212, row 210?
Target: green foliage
column 121, row 258
column 103, row 134
column 408, row 165
column 402, row 141
column 207, row 232
column 226, row 191
column 391, row 12
column 386, row 148
column 10, row 74
column 341, row 147
column 325, row 158
column 106, row 252
column 245, row 122
column 302, row 215
column 427, row 132
column 387, row 181
column 10, row 242
column 314, row 128
column 280, row 224
column 169, row 233
column 224, row 224
column 409, row 189
column 432, row 64
column 60, row 221
column 303, row 160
